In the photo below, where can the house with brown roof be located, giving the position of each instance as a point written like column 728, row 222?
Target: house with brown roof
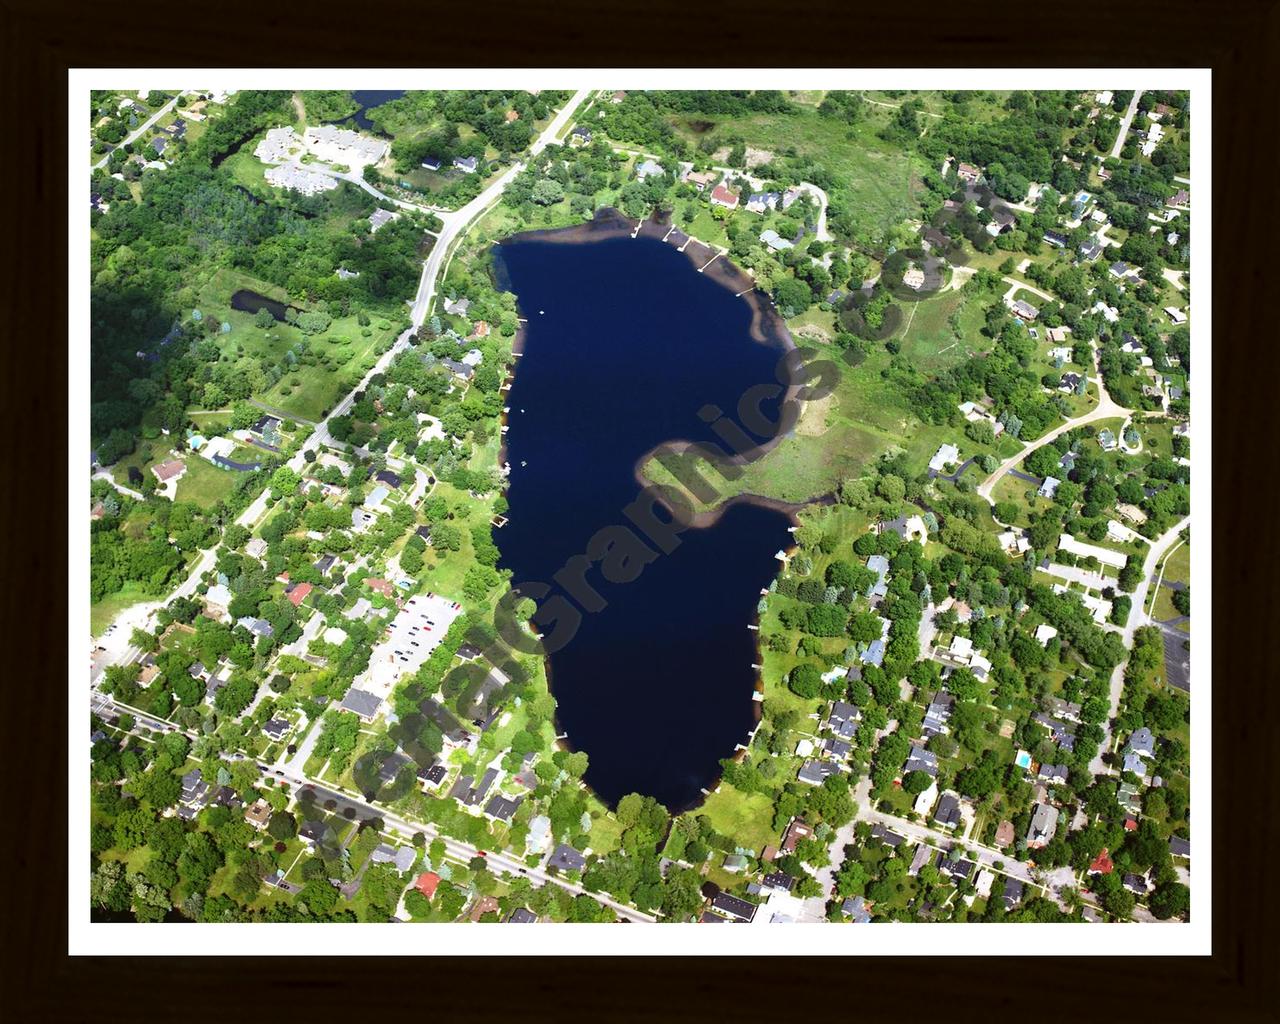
column 258, row 814
column 1004, row 834
column 171, row 470
column 969, row 173
column 484, row 905
column 700, row 179
column 796, row 831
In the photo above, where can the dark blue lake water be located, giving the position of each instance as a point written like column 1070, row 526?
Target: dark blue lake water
column 625, row 342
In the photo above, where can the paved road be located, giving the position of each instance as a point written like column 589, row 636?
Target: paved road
column 985, row 856
column 102, row 474
column 1016, row 284
column 1137, row 617
column 353, row 808
column 454, row 224
column 1106, row 409
column 139, row 131
column 1125, row 122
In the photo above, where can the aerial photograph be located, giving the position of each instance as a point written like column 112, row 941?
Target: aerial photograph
column 640, row 506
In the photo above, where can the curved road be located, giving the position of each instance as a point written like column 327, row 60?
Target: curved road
column 118, row 649
column 1106, row 409
column 1137, row 617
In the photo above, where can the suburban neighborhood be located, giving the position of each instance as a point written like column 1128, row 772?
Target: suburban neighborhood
column 316, row 694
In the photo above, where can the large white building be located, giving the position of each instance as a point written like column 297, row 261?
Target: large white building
column 343, row 146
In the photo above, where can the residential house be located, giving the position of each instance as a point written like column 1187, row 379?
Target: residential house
column 1024, row 310
column 1049, row 488
column 566, row 858
column 701, row 179
column 919, row 859
column 882, row 834
column 947, row 454
column 427, row 883
column 732, row 906
column 879, row 565
column 938, row 714
column 843, row 719
column 362, row 703
column 275, row 729
column 380, row 218
column 725, row 197
column 1012, row 894
column 1052, row 773
column 947, row 813
column 855, row 908
column 797, row 832
column 649, row 169
column 501, row 808
column 758, row 202
column 774, row 241
column 1044, row 823
column 921, row 760
column 403, row 857
column 258, row 814
column 466, row 164
column 815, row 773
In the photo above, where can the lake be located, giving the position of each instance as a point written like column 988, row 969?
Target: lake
column 625, row 343
column 368, row 99
column 250, row 302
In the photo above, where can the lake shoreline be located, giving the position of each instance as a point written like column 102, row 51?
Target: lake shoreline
column 765, row 328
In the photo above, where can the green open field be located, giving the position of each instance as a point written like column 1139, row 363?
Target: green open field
column 838, row 436
column 101, row 614
column 307, row 391
column 203, row 483
column 878, row 180
column 1177, row 569
column 747, row 817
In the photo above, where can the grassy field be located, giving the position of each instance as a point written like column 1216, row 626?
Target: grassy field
column 308, row 391
column 101, row 614
column 203, row 483
column 878, row 180
column 865, row 416
column 1177, row 569
column 747, row 817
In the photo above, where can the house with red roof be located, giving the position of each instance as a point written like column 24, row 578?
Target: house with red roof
column 724, row 196
column 382, row 586
column 298, row 593
column 1102, row 864
column 426, row 883
column 481, row 329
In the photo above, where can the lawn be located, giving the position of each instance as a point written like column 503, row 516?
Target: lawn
column 103, row 612
column 865, row 416
column 203, row 483
column 747, row 817
column 309, row 390
column 873, row 178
